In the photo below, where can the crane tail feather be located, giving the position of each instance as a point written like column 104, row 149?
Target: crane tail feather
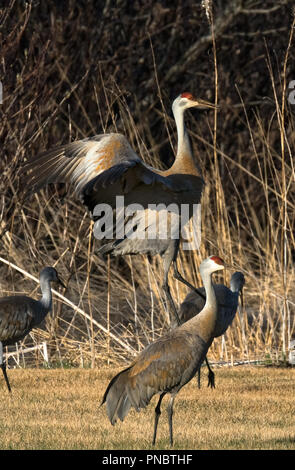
column 123, row 407
column 116, row 397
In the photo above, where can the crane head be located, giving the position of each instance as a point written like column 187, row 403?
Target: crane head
column 187, row 100
column 212, row 264
column 50, row 274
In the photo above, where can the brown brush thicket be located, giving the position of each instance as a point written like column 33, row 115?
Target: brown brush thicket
column 73, row 69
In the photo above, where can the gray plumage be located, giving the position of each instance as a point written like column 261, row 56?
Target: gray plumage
column 167, row 364
column 105, row 167
column 20, row 314
column 227, row 303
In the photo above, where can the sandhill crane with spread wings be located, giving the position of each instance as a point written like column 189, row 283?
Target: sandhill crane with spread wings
column 168, row 363
column 19, row 314
column 104, row 167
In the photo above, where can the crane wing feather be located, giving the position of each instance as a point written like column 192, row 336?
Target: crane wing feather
column 164, row 366
column 142, row 185
column 16, row 318
column 77, row 162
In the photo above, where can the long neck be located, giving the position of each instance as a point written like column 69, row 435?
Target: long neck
column 183, row 142
column 184, row 160
column 46, row 300
column 205, row 321
column 210, row 293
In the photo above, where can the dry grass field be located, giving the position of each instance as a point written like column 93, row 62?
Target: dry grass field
column 251, row 408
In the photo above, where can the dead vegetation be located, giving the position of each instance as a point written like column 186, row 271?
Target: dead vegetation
column 74, row 69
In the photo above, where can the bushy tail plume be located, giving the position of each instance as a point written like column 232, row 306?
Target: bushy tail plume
column 116, row 398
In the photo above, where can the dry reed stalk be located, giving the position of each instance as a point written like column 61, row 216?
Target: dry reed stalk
column 240, row 182
column 108, row 307
column 89, row 265
column 64, row 299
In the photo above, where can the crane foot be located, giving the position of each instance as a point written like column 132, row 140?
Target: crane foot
column 211, row 379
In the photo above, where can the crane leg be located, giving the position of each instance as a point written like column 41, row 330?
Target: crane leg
column 170, row 415
column 211, row 375
column 157, row 416
column 199, row 377
column 179, row 277
column 166, row 289
column 3, row 367
column 170, row 253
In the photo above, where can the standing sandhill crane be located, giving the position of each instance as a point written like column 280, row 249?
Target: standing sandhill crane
column 227, row 304
column 19, row 314
column 104, row 167
column 168, row 363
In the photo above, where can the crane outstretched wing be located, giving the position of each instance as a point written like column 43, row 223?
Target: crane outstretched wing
column 105, row 166
column 78, row 162
column 140, row 210
column 141, row 184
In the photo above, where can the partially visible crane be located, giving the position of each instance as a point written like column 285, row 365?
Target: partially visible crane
column 19, row 314
column 227, row 304
column 103, row 167
column 168, row 363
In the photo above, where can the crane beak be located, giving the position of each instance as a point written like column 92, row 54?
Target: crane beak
column 202, row 104
column 227, row 265
column 61, row 283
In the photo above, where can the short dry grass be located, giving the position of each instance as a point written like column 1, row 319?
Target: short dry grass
column 251, row 408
